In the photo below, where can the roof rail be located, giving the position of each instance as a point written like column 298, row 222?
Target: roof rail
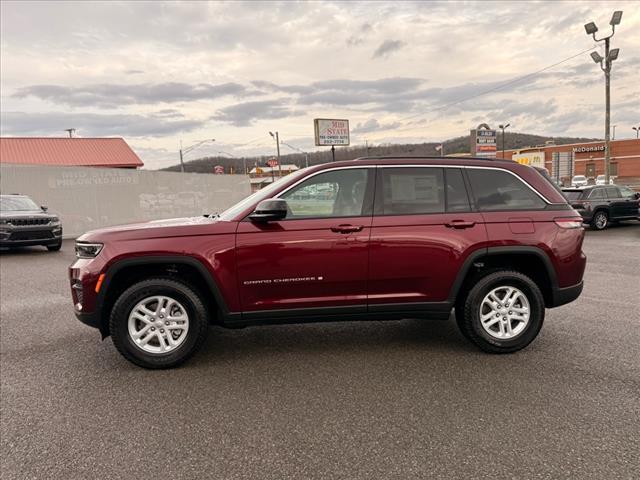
column 426, row 157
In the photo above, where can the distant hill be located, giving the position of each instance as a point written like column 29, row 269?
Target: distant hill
column 455, row 145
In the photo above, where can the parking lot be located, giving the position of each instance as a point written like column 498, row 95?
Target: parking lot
column 406, row 399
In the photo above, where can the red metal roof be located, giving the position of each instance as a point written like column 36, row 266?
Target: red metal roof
column 85, row 152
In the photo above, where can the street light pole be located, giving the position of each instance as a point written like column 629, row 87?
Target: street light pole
column 609, row 57
column 637, row 129
column 277, row 139
column 503, row 127
column 183, row 152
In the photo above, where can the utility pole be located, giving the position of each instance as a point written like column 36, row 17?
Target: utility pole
column 609, row 57
column 503, row 127
column 277, row 139
column 183, row 152
column 71, row 131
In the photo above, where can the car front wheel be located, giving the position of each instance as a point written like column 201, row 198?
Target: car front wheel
column 503, row 312
column 158, row 323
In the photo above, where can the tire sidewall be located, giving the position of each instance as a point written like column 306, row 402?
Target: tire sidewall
column 595, row 220
column 132, row 296
column 536, row 308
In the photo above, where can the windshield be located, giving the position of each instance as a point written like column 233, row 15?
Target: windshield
column 572, row 194
column 266, row 192
column 579, row 177
column 16, row 204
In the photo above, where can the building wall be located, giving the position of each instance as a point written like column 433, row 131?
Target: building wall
column 625, row 159
column 90, row 197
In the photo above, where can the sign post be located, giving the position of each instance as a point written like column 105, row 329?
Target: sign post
column 331, row 132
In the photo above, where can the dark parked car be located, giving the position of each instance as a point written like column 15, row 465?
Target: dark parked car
column 24, row 223
column 600, row 205
column 374, row 238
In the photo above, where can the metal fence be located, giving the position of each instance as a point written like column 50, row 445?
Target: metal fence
column 88, row 198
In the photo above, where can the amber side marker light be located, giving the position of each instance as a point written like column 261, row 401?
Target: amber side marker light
column 99, row 284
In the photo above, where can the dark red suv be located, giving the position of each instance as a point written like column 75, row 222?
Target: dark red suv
column 373, row 238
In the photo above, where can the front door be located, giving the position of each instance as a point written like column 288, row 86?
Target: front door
column 316, row 258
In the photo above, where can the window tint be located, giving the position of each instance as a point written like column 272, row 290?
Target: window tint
column 626, row 192
column 339, row 193
column 572, row 194
column 597, row 194
column 499, row 190
column 457, row 198
column 411, row 191
column 612, row 192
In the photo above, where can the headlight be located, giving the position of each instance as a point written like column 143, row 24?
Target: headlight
column 55, row 221
column 88, row 250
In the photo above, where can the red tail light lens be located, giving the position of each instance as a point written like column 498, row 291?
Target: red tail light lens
column 569, row 222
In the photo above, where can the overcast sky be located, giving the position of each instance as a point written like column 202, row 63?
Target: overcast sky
column 157, row 73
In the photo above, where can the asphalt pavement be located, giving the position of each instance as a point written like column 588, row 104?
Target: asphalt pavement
column 379, row 400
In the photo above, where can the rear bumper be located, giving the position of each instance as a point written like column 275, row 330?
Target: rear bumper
column 562, row 296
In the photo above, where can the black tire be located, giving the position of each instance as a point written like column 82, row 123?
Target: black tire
column 600, row 220
column 54, row 248
column 177, row 290
column 469, row 320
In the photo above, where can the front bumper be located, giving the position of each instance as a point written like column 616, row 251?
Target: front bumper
column 24, row 237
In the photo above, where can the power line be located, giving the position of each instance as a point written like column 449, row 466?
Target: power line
column 501, row 86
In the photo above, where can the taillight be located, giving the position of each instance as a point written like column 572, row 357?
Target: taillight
column 568, row 222
column 582, row 205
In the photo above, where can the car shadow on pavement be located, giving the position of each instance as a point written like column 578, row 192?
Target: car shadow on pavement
column 225, row 345
column 22, row 251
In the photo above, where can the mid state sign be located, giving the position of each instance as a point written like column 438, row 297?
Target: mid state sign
column 331, row 132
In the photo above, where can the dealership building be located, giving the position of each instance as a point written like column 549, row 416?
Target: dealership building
column 565, row 161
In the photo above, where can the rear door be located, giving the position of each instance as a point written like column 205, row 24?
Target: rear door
column 423, row 229
column 617, row 204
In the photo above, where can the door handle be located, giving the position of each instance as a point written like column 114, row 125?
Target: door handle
column 459, row 224
column 346, row 228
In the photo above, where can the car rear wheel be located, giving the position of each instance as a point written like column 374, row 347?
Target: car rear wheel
column 503, row 312
column 600, row 220
column 158, row 323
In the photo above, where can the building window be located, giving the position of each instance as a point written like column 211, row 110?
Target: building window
column 613, row 169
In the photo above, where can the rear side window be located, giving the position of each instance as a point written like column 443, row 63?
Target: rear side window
column 597, row 194
column 500, row 190
column 410, row 191
column 456, row 192
column 572, row 194
column 612, row 192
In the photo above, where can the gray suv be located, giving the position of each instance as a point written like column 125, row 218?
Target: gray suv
column 24, row 223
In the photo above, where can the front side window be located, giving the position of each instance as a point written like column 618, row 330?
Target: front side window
column 500, row 190
column 627, row 192
column 410, row 191
column 337, row 193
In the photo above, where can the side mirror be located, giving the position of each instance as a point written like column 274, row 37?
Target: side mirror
column 270, row 210
column 637, row 195
column 44, row 208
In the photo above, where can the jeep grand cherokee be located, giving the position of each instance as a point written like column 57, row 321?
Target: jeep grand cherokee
column 373, row 238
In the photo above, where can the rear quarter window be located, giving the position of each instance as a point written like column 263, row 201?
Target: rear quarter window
column 501, row 190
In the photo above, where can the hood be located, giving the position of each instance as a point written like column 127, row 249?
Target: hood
column 26, row 213
column 171, row 227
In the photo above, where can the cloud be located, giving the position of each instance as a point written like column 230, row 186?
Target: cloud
column 108, row 95
column 93, row 124
column 244, row 114
column 387, row 47
column 372, row 125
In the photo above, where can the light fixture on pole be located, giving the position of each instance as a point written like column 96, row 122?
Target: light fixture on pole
column 306, row 155
column 503, row 127
column 605, row 65
column 277, row 139
column 184, row 151
column 637, row 129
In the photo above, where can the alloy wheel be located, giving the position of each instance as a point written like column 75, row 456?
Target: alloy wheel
column 505, row 312
column 158, row 324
